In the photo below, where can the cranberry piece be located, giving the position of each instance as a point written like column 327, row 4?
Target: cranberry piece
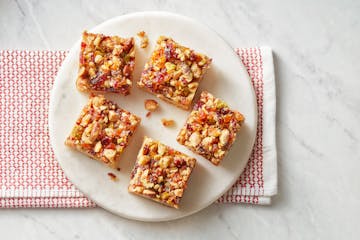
column 159, row 78
column 153, row 178
column 193, row 57
column 99, row 78
column 128, row 45
column 201, row 150
column 105, row 141
column 111, row 146
column 82, row 59
column 146, row 150
column 167, row 53
column 133, row 172
column 158, row 172
column 125, row 89
column 127, row 70
column 224, row 111
column 198, row 105
column 179, row 162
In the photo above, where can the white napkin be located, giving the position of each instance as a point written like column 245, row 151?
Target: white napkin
column 258, row 183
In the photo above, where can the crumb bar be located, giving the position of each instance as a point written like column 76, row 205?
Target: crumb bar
column 103, row 130
column 211, row 128
column 106, row 63
column 161, row 173
column 173, row 72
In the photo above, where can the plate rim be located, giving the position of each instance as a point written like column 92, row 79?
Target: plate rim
column 62, row 69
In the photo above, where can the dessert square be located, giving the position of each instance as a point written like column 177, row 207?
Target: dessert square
column 211, row 128
column 103, row 130
column 173, row 72
column 106, row 63
column 161, row 173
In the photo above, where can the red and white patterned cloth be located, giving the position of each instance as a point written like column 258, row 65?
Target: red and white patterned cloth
column 29, row 173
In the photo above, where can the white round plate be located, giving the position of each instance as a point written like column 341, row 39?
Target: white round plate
column 226, row 79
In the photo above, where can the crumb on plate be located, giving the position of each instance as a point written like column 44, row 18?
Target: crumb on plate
column 112, row 176
column 144, row 39
column 151, row 105
column 167, row 122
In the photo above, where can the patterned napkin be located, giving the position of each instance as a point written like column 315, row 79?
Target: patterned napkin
column 29, row 173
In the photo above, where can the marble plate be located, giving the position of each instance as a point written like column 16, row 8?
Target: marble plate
column 226, row 79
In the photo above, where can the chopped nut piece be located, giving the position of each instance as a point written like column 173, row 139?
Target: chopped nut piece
column 165, row 177
column 195, row 139
column 109, row 132
column 143, row 160
column 164, row 162
column 173, row 72
column 106, row 63
column 98, row 58
column 110, row 154
column 161, row 149
column 149, row 192
column 113, row 116
column 148, row 114
column 195, row 70
column 97, row 147
column 214, row 131
column 178, row 192
column 193, row 86
column 144, row 39
column 151, row 105
column 170, row 66
column 85, row 120
column 224, row 137
column 99, row 138
column 167, row 122
column 211, row 128
column 207, row 141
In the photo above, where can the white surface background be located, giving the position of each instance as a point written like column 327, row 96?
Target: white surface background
column 316, row 45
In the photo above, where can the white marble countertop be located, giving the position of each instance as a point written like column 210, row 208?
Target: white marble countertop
column 317, row 72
